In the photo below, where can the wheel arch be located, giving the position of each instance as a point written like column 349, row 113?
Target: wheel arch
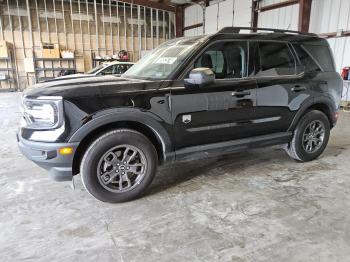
column 324, row 108
column 146, row 126
column 322, row 104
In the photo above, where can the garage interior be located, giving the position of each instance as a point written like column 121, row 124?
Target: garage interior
column 257, row 205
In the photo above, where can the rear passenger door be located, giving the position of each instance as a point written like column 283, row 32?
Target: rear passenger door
column 282, row 86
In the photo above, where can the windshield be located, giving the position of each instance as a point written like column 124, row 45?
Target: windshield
column 96, row 69
column 164, row 60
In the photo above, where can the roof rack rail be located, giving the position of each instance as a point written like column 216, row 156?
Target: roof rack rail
column 236, row 30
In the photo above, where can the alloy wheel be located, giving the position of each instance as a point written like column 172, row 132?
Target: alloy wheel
column 313, row 136
column 121, row 168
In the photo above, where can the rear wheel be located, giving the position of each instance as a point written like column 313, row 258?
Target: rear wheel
column 310, row 137
column 119, row 166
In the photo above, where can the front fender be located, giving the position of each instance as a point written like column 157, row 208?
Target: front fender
column 160, row 128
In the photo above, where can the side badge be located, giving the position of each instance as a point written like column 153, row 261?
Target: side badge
column 186, row 119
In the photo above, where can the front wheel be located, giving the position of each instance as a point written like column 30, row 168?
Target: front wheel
column 310, row 137
column 119, row 166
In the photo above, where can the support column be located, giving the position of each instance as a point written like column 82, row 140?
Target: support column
column 304, row 15
column 255, row 15
column 179, row 17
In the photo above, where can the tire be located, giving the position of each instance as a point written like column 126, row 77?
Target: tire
column 112, row 172
column 298, row 148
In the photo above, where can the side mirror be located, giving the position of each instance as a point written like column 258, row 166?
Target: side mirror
column 200, row 77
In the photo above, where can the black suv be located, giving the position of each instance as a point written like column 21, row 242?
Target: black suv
column 192, row 97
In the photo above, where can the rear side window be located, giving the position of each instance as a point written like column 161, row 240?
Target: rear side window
column 276, row 59
column 306, row 60
column 323, row 55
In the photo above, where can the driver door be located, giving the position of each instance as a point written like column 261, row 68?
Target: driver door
column 221, row 111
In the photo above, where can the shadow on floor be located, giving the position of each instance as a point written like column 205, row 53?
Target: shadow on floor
column 173, row 175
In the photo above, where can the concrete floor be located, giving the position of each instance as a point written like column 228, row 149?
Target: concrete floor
column 254, row 206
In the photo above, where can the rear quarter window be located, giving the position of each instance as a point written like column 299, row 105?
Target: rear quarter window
column 306, row 59
column 323, row 56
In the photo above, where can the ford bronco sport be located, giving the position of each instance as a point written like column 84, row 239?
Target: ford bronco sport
column 190, row 98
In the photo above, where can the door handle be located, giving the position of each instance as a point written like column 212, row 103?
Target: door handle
column 298, row 88
column 240, row 93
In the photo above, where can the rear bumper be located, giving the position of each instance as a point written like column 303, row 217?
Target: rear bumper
column 46, row 155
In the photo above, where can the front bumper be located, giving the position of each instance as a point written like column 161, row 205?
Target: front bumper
column 46, row 155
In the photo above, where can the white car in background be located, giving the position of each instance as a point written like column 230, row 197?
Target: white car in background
column 109, row 68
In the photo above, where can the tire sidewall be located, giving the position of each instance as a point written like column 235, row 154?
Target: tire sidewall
column 305, row 121
column 98, row 148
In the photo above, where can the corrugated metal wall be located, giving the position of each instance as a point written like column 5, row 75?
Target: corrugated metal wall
column 281, row 18
column 193, row 15
column 326, row 16
column 218, row 15
column 330, row 15
column 333, row 16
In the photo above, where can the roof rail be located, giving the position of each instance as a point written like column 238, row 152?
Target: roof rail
column 236, row 30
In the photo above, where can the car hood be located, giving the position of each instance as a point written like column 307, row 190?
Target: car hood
column 59, row 78
column 76, row 76
column 91, row 86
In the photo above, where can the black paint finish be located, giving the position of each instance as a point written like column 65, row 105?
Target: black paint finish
column 251, row 111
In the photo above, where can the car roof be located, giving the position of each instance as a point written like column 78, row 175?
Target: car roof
column 118, row 62
column 287, row 37
column 263, row 34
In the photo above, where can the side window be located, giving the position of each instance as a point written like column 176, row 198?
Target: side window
column 116, row 69
column 107, row 71
column 323, row 56
column 308, row 63
column 119, row 69
column 275, row 59
column 213, row 59
column 226, row 59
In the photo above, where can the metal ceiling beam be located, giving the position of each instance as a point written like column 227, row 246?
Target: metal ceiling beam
column 189, row 3
column 278, row 5
column 335, row 34
column 304, row 15
column 163, row 5
column 192, row 26
column 151, row 4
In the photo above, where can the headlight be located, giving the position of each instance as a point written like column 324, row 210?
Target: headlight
column 42, row 112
